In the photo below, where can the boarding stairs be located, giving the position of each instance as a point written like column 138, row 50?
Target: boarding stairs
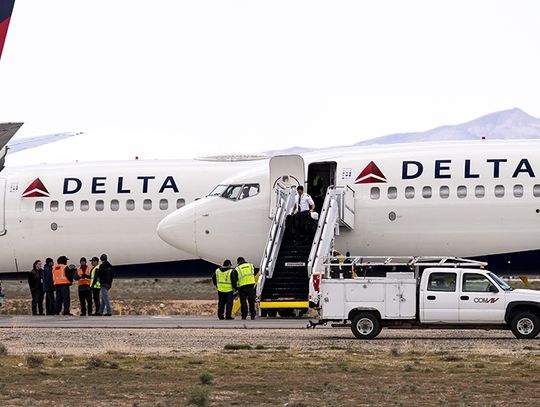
column 290, row 254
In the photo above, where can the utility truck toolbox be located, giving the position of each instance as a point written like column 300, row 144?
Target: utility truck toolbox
column 442, row 297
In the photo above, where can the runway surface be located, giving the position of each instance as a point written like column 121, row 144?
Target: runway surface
column 147, row 322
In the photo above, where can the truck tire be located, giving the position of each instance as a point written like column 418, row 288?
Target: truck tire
column 525, row 325
column 365, row 325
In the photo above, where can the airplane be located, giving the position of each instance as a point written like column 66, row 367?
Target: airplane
column 476, row 199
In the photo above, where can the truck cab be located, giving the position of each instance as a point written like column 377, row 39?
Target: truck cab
column 441, row 297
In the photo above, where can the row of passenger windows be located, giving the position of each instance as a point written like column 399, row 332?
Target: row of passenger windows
column 461, row 191
column 99, row 205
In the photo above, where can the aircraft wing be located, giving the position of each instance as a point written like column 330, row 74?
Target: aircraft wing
column 7, row 131
column 32, row 142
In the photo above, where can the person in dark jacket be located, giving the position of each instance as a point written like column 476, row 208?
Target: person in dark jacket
column 35, row 281
column 62, row 279
column 48, row 286
column 225, row 282
column 105, row 277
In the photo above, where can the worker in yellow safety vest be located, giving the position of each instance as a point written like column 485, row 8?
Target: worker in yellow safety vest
column 95, row 285
column 246, row 287
column 225, row 282
column 62, row 280
column 85, row 294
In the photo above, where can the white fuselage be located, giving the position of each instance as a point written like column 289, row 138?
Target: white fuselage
column 455, row 198
column 101, row 207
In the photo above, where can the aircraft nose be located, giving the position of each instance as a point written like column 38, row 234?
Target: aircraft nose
column 178, row 230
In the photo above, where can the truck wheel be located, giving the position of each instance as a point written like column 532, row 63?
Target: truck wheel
column 525, row 325
column 365, row 326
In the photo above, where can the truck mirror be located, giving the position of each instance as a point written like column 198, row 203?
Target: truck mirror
column 493, row 289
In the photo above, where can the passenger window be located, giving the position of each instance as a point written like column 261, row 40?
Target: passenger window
column 163, row 204
column 54, row 206
column 442, row 282
column 462, row 191
column 479, row 191
column 180, row 203
column 392, row 193
column 85, row 205
column 39, row 206
column 499, row 191
column 375, row 193
column 444, row 192
column 69, row 206
column 409, row 192
column 536, row 191
column 115, row 205
column 130, row 205
column 426, row 192
column 100, row 205
column 147, row 204
column 477, row 283
column 249, row 190
column 518, row 191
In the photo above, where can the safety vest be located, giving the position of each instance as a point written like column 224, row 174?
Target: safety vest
column 223, row 280
column 83, row 281
column 246, row 274
column 94, row 283
column 59, row 275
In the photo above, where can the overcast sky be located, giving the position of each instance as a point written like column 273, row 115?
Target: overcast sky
column 176, row 79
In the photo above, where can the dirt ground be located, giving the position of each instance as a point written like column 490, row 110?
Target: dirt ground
column 293, row 368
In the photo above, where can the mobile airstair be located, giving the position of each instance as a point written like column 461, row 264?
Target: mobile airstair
column 291, row 254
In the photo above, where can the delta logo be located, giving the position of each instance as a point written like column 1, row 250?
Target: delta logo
column 36, row 190
column 371, row 174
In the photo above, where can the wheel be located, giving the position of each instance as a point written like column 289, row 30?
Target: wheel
column 525, row 325
column 272, row 313
column 365, row 326
column 286, row 313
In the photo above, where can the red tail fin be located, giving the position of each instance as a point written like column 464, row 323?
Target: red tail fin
column 6, row 8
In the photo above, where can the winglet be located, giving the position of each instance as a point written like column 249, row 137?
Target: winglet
column 6, row 8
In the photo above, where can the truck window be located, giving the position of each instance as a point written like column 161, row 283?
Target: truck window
column 476, row 283
column 442, row 282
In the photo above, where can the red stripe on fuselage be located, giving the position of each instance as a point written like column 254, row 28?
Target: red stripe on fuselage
column 3, row 32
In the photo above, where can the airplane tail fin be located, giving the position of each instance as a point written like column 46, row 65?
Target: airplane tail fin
column 6, row 8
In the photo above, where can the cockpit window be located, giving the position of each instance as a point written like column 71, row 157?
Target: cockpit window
column 236, row 192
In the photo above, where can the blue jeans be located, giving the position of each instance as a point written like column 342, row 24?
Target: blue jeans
column 105, row 301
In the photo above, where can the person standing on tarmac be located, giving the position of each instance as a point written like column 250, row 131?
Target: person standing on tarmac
column 62, row 279
column 225, row 282
column 246, row 287
column 105, row 278
column 35, row 281
column 48, row 286
column 95, row 286
column 83, row 280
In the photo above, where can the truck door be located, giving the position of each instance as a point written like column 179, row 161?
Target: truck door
column 480, row 301
column 2, row 206
column 287, row 171
column 439, row 299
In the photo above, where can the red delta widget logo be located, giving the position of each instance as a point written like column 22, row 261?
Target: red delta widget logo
column 370, row 174
column 36, row 190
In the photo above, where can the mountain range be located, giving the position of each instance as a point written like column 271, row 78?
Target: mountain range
column 509, row 124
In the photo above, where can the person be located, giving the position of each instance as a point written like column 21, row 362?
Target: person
column 304, row 207
column 335, row 267
column 35, row 281
column 245, row 274
column 85, row 295
column 225, row 282
column 62, row 280
column 95, row 286
column 48, row 286
column 105, row 278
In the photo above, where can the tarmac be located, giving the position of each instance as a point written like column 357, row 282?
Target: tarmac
column 147, row 322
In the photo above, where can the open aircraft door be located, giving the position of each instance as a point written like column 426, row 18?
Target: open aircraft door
column 2, row 206
column 285, row 171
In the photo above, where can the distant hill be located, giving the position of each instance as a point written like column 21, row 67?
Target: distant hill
column 509, row 124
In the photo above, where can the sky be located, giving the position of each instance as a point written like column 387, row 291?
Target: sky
column 178, row 79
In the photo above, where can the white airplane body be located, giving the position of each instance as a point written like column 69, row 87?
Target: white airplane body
column 85, row 209
column 471, row 199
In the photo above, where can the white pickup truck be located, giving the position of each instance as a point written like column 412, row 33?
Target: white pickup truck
column 442, row 298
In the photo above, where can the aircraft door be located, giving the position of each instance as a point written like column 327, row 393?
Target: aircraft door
column 286, row 171
column 2, row 206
